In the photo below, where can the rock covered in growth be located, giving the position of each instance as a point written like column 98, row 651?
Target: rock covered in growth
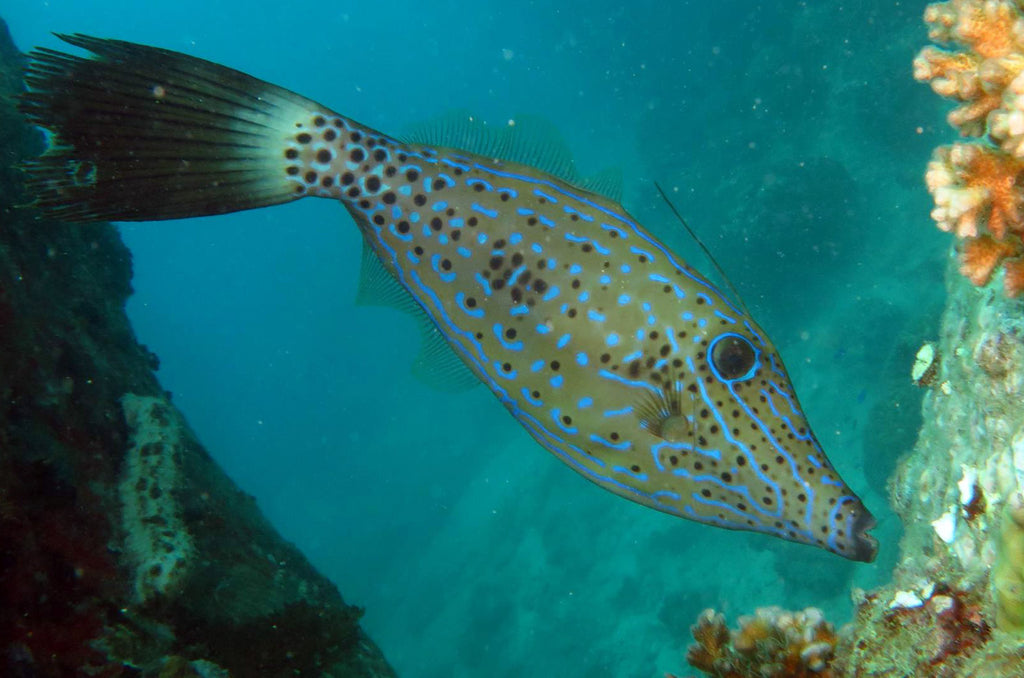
column 124, row 549
column 969, row 460
column 939, row 616
column 922, row 630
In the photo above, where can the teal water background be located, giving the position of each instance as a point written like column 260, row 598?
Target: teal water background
column 792, row 137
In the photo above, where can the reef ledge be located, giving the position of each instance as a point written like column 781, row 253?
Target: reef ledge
column 124, row 549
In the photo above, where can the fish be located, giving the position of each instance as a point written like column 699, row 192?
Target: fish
column 614, row 353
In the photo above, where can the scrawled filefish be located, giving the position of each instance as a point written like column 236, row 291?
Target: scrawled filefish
column 613, row 353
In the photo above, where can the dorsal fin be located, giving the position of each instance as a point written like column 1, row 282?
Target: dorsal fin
column 607, row 182
column 526, row 139
column 436, row 364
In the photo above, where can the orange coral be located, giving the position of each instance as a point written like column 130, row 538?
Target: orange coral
column 1006, row 123
column 955, row 76
column 989, row 28
column 752, row 631
column 980, row 256
column 711, row 648
column 1013, row 281
column 773, row 643
column 992, row 35
column 976, row 186
column 986, row 75
column 978, row 196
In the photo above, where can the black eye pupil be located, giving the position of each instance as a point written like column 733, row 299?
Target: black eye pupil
column 733, row 357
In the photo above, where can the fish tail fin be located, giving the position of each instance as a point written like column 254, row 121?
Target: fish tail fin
column 139, row 133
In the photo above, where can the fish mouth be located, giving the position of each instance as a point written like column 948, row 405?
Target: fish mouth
column 865, row 546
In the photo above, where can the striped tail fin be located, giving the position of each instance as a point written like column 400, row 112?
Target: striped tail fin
column 140, row 133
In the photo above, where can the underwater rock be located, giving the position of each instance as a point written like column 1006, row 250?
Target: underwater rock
column 939, row 616
column 124, row 549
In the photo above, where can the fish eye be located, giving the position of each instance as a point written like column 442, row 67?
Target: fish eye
column 733, row 357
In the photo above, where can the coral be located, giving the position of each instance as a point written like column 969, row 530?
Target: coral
column 712, row 646
column 1014, row 277
column 773, row 643
column 1008, row 570
column 980, row 256
column 991, row 34
column 977, row 185
column 976, row 190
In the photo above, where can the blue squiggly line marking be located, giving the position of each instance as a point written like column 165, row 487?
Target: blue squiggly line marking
column 611, row 376
column 484, row 283
column 621, row 445
column 477, row 207
column 499, row 332
column 642, row 477
column 474, row 181
column 460, row 300
column 618, row 413
column 735, row 442
column 536, row 402
column 556, row 416
column 608, row 227
column 697, row 280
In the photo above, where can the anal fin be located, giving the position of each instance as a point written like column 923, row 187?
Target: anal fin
column 436, row 365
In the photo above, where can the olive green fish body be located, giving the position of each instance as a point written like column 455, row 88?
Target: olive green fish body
column 613, row 353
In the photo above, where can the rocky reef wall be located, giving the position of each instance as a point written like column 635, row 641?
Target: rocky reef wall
column 124, row 549
column 945, row 611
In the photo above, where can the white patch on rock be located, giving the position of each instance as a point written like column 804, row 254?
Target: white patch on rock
column 905, row 599
column 927, row 589
column 945, row 526
column 1017, row 445
column 966, row 484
